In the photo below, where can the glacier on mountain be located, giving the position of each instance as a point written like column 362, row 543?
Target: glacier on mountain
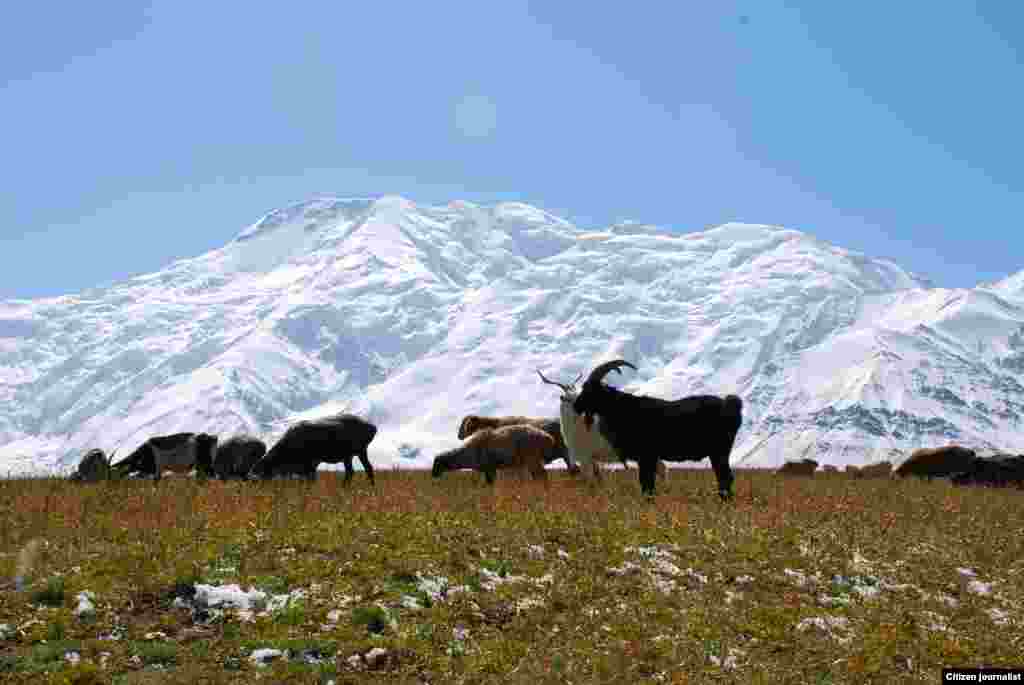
column 415, row 315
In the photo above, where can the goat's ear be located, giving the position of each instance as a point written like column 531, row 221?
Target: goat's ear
column 463, row 426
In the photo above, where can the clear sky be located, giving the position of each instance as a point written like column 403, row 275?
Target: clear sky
column 134, row 135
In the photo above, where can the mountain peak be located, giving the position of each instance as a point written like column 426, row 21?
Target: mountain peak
column 1012, row 286
column 310, row 213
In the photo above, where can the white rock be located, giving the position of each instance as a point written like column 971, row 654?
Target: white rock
column 72, row 657
column 376, row 657
column 730, row 662
column 435, row 587
column 85, row 607
column 999, row 616
column 828, row 625
column 410, row 602
column 262, row 657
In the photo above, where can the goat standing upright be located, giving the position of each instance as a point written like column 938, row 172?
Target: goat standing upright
column 582, row 443
column 645, row 429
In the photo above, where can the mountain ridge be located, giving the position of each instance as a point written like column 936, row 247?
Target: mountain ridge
column 414, row 315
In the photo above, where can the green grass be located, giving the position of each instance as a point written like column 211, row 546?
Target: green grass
column 590, row 585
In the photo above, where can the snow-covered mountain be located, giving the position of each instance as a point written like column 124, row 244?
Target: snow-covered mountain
column 414, row 316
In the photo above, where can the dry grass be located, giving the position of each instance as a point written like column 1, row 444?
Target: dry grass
column 824, row 580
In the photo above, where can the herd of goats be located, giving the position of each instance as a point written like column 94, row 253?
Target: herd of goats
column 598, row 423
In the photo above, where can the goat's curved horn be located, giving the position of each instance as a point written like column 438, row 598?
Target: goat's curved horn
column 565, row 388
column 604, row 369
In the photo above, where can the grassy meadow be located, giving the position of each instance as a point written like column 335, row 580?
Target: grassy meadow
column 823, row 580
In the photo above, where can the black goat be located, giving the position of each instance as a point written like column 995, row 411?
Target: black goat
column 644, row 429
column 307, row 444
column 237, row 455
column 180, row 453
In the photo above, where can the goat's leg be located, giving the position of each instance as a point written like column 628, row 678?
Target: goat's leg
column 647, row 468
column 488, row 472
column 723, row 473
column 348, row 469
column 364, row 459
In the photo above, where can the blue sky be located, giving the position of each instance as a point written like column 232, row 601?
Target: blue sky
column 135, row 134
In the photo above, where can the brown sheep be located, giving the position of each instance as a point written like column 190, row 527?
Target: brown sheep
column 852, row 470
column 804, row 467
column 473, row 423
column 938, row 462
column 882, row 469
column 521, row 447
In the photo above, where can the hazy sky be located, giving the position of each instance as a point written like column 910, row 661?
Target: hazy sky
column 135, row 135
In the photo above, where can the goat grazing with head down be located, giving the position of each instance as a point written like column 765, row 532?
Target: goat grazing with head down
column 804, row 467
column 522, row 446
column 178, row 453
column 236, row 456
column 583, row 444
column 644, row 428
column 307, row 444
column 473, row 423
column 95, row 466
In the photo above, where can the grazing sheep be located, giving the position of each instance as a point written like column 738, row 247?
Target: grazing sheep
column 882, row 469
column 473, row 423
column 852, row 470
column 804, row 467
column 829, row 468
column 510, row 447
column 237, row 455
column 307, row 444
column 584, row 444
column 95, row 466
column 644, row 428
column 938, row 462
column 179, row 453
